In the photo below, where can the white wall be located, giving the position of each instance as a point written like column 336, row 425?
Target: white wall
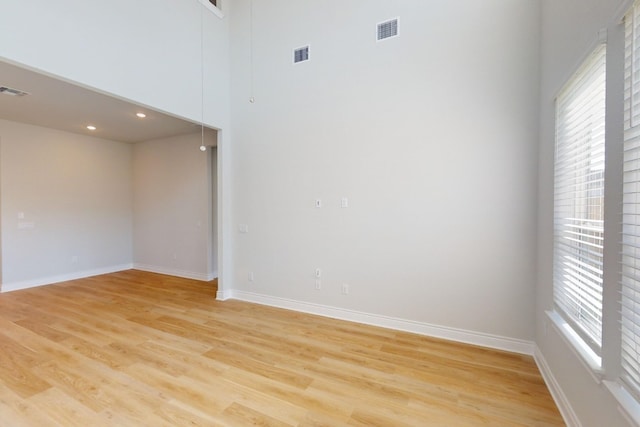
column 432, row 137
column 172, row 206
column 96, row 200
column 75, row 194
column 147, row 51
column 570, row 30
column 213, row 220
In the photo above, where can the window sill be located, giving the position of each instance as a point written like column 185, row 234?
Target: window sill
column 628, row 405
column 591, row 361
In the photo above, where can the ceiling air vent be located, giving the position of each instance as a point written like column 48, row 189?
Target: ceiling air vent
column 388, row 29
column 301, row 54
column 12, row 92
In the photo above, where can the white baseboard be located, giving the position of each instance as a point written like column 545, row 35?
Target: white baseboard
column 453, row 334
column 224, row 295
column 15, row 286
column 566, row 410
column 173, row 272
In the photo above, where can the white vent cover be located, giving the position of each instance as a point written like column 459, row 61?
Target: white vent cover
column 387, row 29
column 12, row 92
column 301, row 54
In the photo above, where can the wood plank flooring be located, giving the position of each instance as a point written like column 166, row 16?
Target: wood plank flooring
column 141, row 349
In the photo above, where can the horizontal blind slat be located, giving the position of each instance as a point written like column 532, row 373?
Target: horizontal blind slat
column 579, row 196
column 630, row 237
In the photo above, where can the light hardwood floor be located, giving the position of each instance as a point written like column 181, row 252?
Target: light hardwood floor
column 141, row 349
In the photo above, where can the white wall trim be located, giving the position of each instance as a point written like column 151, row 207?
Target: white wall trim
column 216, row 10
column 172, row 272
column 562, row 402
column 627, row 404
column 623, row 10
column 223, row 295
column 591, row 362
column 16, row 286
column 600, row 38
column 453, row 334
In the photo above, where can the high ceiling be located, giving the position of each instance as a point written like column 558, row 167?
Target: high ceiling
column 60, row 105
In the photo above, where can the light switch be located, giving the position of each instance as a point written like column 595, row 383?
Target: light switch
column 344, row 202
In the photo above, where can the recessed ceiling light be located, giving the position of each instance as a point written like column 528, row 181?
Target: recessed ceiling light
column 91, row 127
column 141, row 115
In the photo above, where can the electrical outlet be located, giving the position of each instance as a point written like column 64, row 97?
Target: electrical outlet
column 318, row 203
column 318, row 273
column 345, row 289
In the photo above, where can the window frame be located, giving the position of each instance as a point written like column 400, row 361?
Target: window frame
column 629, row 304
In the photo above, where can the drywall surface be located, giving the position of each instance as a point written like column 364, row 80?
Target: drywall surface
column 172, row 206
column 431, row 136
column 168, row 55
column 213, row 192
column 571, row 29
column 66, row 205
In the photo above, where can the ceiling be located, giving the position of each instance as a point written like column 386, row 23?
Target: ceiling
column 60, row 105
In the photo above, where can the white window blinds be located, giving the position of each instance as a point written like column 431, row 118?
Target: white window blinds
column 630, row 351
column 579, row 199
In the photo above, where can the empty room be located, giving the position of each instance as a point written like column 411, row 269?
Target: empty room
column 291, row 213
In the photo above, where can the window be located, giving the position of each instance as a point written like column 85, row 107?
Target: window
column 579, row 200
column 630, row 286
